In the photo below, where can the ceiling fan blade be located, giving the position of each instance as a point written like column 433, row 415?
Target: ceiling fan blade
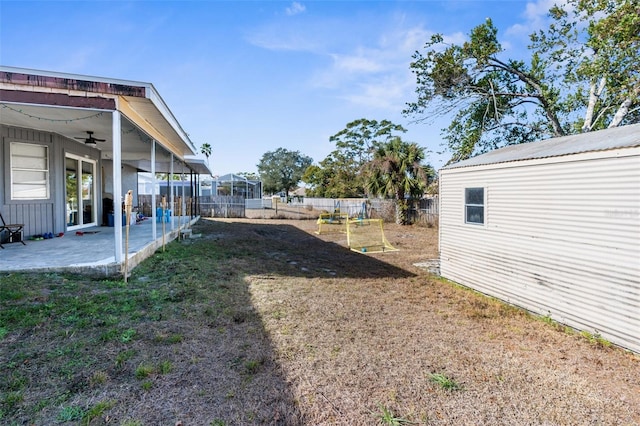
column 90, row 140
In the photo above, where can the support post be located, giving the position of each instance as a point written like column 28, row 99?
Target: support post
column 128, row 205
column 117, row 184
column 154, row 232
column 171, row 198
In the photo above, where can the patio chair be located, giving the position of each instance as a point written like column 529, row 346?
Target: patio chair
column 14, row 229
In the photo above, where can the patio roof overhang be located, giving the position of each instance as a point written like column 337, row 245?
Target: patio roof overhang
column 137, row 127
column 70, row 105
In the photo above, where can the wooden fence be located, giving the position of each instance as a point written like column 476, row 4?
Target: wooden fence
column 178, row 208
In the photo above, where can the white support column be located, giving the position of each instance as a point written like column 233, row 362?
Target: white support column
column 183, row 203
column 171, row 199
column 117, row 185
column 154, row 232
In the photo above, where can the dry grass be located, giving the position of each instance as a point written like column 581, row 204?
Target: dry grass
column 271, row 324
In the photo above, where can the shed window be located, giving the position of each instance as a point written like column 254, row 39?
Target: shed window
column 29, row 171
column 474, row 205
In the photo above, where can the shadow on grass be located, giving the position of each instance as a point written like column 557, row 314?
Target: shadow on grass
column 180, row 342
column 288, row 251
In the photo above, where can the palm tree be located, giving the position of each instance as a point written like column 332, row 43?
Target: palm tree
column 206, row 150
column 396, row 171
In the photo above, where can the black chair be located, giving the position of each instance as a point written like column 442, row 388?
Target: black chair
column 15, row 231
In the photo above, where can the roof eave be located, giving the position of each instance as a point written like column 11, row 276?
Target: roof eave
column 149, row 90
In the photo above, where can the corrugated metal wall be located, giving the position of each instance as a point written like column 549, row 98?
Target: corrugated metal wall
column 561, row 238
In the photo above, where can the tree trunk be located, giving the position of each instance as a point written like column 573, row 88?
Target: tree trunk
column 594, row 95
column 539, row 95
column 624, row 109
column 401, row 211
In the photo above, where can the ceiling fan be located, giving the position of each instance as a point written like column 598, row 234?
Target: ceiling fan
column 91, row 140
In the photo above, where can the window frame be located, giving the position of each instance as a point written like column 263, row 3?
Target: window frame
column 468, row 205
column 80, row 161
column 14, row 170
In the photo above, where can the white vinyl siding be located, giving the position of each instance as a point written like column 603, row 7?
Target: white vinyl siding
column 563, row 238
column 29, row 171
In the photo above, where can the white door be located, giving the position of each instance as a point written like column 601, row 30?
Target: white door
column 80, row 192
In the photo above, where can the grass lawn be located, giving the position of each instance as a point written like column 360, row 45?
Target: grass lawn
column 264, row 322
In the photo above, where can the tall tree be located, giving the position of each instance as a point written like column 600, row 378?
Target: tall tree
column 206, row 150
column 339, row 174
column 494, row 100
column 361, row 137
column 396, row 171
column 593, row 47
column 580, row 77
column 282, row 170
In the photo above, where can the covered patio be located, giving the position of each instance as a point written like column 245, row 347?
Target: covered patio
column 90, row 251
column 71, row 147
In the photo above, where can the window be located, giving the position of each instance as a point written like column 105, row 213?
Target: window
column 29, row 171
column 474, row 205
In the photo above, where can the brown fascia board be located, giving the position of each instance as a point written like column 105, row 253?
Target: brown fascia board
column 52, row 82
column 57, row 99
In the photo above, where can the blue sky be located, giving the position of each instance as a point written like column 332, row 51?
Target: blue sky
column 249, row 77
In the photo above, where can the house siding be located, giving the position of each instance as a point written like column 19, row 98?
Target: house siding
column 39, row 216
column 129, row 179
column 36, row 215
column 561, row 238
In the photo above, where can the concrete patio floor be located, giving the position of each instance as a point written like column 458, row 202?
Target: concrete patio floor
column 91, row 253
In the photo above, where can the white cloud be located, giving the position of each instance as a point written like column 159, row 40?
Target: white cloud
column 368, row 71
column 279, row 38
column 455, row 38
column 535, row 18
column 295, row 8
column 414, row 39
column 376, row 75
column 388, row 92
column 358, row 63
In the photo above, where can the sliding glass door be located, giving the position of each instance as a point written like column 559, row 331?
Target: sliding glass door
column 80, row 191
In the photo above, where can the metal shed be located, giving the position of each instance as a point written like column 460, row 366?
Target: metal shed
column 552, row 226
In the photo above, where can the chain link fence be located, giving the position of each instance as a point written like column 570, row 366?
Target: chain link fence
column 424, row 211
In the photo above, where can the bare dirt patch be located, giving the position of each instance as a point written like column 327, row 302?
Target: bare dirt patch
column 265, row 322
